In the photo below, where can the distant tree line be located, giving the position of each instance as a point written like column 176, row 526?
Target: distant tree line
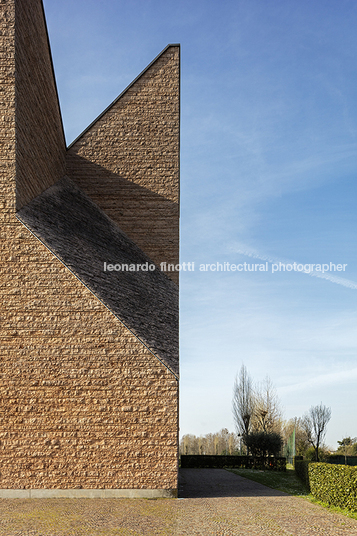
column 223, row 442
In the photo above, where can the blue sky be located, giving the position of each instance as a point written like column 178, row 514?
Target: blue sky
column 268, row 174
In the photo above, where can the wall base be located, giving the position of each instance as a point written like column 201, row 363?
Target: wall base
column 88, row 493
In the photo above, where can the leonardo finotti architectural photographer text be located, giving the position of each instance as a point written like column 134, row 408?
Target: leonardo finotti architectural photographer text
column 228, row 267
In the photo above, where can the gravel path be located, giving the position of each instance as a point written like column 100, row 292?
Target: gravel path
column 213, row 502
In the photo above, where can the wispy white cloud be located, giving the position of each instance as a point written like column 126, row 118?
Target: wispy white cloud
column 332, row 278
column 322, row 380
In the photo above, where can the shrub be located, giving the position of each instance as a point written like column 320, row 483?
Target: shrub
column 264, row 444
column 302, row 471
column 310, row 454
column 334, row 484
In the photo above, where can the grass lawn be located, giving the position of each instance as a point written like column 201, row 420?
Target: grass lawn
column 287, row 481
column 282, row 480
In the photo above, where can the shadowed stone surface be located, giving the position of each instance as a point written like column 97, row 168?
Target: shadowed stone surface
column 84, row 238
column 194, row 483
column 127, row 160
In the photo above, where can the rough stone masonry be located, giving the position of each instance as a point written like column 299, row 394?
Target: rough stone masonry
column 89, row 358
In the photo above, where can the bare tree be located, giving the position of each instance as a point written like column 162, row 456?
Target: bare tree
column 188, row 444
column 267, row 410
column 314, row 424
column 243, row 402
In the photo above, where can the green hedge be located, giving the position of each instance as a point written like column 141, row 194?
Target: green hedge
column 219, row 461
column 342, row 460
column 334, row 484
column 302, row 471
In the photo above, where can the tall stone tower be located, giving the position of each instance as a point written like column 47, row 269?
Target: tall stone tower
column 88, row 322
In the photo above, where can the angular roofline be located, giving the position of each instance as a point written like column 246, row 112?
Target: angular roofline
column 53, row 73
column 123, row 92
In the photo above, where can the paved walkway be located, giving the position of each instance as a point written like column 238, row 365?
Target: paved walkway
column 213, row 502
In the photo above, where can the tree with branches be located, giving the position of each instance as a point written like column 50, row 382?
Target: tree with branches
column 301, row 443
column 347, row 447
column 255, row 411
column 243, row 403
column 314, row 424
column 267, row 411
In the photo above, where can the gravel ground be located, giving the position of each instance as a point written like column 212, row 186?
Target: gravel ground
column 212, row 502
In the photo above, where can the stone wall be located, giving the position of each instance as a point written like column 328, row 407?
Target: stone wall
column 39, row 135
column 7, row 110
column 83, row 403
column 128, row 160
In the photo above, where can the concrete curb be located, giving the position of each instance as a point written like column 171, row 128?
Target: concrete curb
column 88, row 493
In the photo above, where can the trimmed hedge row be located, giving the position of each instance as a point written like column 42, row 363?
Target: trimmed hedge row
column 302, row 471
column 219, row 461
column 334, row 484
column 339, row 458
